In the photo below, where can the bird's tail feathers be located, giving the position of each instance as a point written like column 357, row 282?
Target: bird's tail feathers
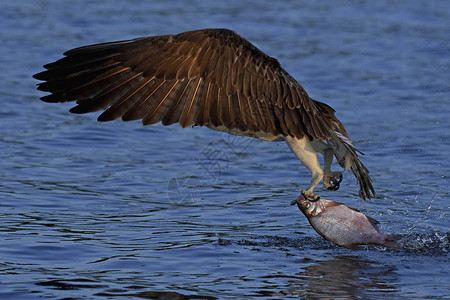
column 347, row 156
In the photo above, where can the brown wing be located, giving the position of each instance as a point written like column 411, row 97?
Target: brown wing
column 211, row 76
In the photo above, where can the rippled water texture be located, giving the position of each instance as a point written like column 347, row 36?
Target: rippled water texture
column 97, row 210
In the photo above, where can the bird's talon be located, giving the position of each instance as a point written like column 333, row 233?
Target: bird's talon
column 310, row 196
column 335, row 184
column 332, row 181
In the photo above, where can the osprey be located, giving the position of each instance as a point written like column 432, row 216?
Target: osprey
column 209, row 77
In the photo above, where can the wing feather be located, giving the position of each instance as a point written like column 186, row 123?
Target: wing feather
column 140, row 108
column 119, row 108
column 172, row 115
column 187, row 117
column 204, row 105
column 213, row 106
column 210, row 76
column 107, row 96
column 224, row 109
column 160, row 100
column 246, row 112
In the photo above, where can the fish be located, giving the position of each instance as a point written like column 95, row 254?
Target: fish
column 343, row 225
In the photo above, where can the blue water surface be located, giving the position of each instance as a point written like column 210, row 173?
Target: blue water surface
column 105, row 210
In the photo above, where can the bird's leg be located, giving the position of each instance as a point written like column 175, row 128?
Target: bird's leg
column 331, row 180
column 307, row 154
column 310, row 197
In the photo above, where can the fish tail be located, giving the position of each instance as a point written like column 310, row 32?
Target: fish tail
column 347, row 156
column 392, row 241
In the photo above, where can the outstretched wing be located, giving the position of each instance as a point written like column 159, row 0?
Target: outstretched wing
column 203, row 77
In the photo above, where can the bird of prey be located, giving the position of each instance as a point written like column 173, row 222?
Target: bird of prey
column 208, row 77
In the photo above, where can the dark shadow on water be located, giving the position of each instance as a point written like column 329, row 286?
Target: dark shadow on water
column 157, row 295
column 129, row 292
column 72, row 284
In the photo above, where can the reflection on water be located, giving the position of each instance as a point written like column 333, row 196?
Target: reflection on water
column 348, row 277
column 341, row 277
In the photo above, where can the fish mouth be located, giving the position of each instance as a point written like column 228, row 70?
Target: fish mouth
column 298, row 200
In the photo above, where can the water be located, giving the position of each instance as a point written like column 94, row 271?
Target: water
column 102, row 210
